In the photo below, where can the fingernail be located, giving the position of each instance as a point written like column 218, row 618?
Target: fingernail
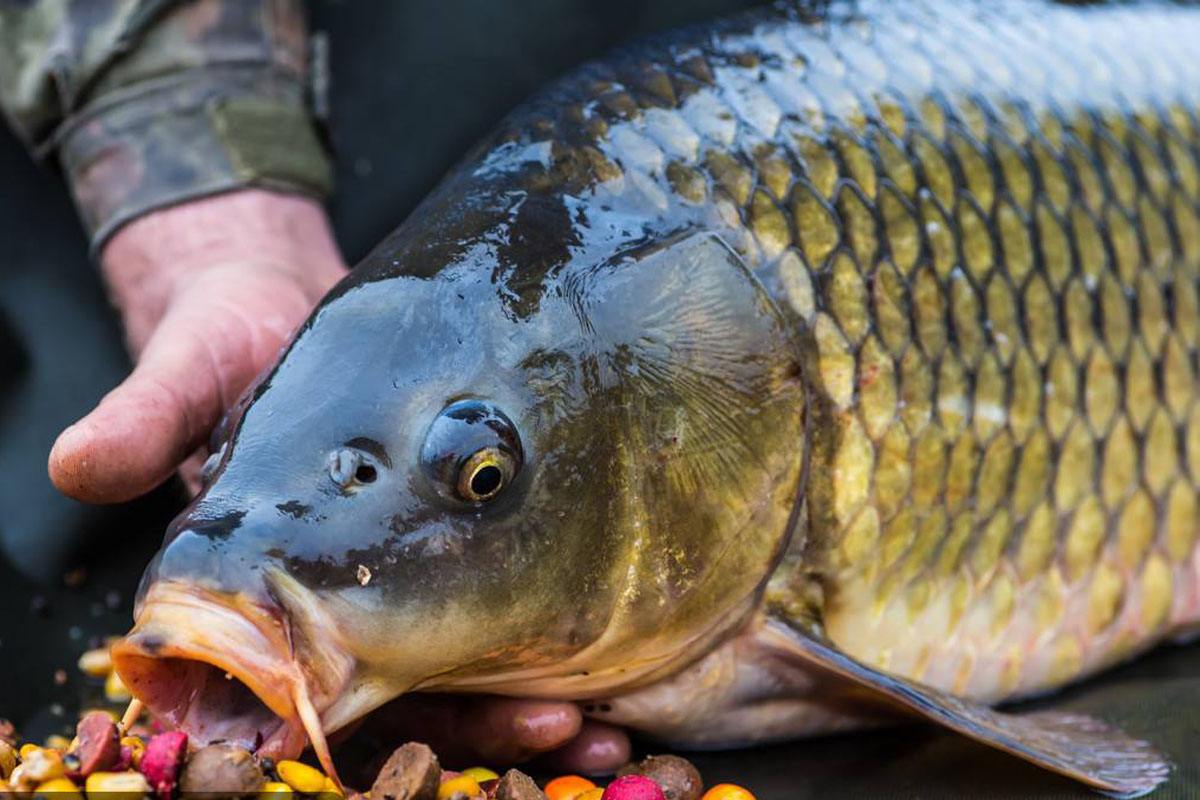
column 547, row 728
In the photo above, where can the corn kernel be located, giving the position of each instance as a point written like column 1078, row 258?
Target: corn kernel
column 137, row 749
column 300, row 777
column 591, row 794
column 462, row 785
column 56, row 742
column 38, row 767
column 57, row 789
column 275, row 790
column 567, row 787
column 115, row 690
column 480, row 774
column 43, row 765
column 727, row 791
column 97, row 663
column 117, row 785
column 27, row 749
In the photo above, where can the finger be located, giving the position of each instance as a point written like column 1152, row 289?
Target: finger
column 142, row 430
column 191, row 471
column 599, row 749
column 509, row 730
column 469, row 730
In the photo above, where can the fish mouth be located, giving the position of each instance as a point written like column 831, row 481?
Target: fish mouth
column 225, row 668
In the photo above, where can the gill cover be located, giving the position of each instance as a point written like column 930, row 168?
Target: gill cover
column 673, row 388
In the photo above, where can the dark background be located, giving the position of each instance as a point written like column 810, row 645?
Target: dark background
column 415, row 84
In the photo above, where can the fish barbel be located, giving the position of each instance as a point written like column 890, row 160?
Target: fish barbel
column 825, row 347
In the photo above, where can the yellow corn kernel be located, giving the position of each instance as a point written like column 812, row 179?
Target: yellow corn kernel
column 115, row 690
column 27, row 749
column 56, row 742
column 460, row 786
column 8, row 759
column 97, row 663
column 57, row 788
column 38, row 767
column 480, row 774
column 43, row 764
column 117, row 785
column 301, row 777
column 275, row 790
column 137, row 749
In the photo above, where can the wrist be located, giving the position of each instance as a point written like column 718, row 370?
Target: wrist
column 274, row 244
column 151, row 258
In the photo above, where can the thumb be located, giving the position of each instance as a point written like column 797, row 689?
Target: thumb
column 196, row 363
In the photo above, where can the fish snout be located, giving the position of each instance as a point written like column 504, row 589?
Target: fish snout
column 214, row 549
column 224, row 666
column 219, row 552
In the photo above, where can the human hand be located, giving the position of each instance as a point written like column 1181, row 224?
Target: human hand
column 466, row 730
column 208, row 292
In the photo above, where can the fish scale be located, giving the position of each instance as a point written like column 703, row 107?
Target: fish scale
column 984, row 225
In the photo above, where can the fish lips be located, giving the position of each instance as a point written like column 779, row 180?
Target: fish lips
column 226, row 667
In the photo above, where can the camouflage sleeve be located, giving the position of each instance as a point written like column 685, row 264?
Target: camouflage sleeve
column 149, row 103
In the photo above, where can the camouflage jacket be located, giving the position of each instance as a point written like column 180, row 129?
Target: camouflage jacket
column 147, row 103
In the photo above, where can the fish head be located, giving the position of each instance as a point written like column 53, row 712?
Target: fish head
column 437, row 488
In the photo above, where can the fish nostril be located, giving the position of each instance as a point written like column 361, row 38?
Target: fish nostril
column 348, row 467
column 343, row 467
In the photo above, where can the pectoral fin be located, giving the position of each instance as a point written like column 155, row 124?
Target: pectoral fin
column 1073, row 745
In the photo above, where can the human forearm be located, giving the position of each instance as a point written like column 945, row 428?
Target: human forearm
column 152, row 104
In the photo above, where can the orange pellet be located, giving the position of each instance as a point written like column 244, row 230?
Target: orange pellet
column 727, row 791
column 567, row 787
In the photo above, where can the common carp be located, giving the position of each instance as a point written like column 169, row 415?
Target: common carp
column 829, row 362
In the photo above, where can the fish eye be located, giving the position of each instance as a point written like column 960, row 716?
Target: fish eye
column 483, row 475
column 472, row 452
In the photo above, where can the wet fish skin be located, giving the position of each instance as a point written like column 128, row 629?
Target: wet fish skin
column 984, row 223
column 977, row 225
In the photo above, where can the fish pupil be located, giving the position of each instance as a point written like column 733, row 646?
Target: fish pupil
column 365, row 473
column 486, row 480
